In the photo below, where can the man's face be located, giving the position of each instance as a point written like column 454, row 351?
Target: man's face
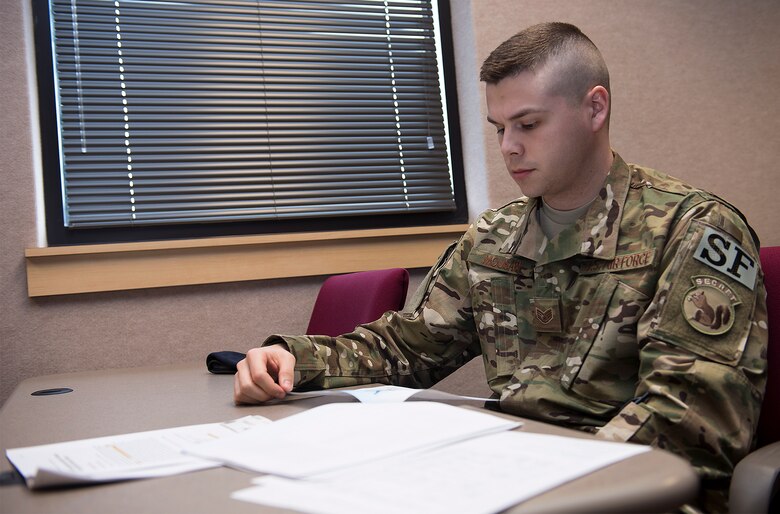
column 546, row 140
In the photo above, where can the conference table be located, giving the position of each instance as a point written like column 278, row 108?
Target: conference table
column 118, row 401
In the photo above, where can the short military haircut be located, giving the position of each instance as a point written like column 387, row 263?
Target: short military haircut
column 581, row 66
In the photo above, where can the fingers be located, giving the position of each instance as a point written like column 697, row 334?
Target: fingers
column 285, row 365
column 244, row 389
column 266, row 373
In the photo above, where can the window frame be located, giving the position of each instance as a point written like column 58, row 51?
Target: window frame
column 60, row 235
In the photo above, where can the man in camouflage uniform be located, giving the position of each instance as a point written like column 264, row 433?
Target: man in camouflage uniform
column 612, row 299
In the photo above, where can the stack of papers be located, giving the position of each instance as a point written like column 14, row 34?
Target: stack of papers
column 148, row 454
column 340, row 435
column 477, row 476
column 386, row 394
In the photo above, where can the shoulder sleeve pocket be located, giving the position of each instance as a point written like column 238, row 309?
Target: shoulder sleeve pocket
column 415, row 302
column 701, row 306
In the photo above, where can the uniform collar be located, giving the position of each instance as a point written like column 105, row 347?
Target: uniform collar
column 595, row 235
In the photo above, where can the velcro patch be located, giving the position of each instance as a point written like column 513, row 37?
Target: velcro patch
column 546, row 314
column 709, row 305
column 721, row 252
column 507, row 264
column 620, row 263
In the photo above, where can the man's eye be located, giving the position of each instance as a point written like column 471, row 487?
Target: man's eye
column 529, row 126
column 499, row 131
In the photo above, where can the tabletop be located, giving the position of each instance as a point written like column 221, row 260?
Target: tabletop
column 118, row 401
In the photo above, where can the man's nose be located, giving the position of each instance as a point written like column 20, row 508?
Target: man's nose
column 511, row 144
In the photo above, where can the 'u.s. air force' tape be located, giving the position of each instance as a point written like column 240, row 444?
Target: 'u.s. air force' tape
column 721, row 252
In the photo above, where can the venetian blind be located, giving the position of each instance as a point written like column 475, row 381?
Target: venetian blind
column 227, row 110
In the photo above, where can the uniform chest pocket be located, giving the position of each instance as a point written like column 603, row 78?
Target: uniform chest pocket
column 504, row 349
column 501, row 331
column 603, row 362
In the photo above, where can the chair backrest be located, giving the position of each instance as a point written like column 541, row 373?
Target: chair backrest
column 346, row 301
column 769, row 422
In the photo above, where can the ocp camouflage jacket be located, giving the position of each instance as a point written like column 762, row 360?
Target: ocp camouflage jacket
column 643, row 322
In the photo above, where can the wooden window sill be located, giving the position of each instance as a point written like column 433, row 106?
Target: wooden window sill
column 122, row 266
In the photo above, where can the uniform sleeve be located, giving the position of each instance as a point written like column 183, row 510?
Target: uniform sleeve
column 702, row 346
column 417, row 347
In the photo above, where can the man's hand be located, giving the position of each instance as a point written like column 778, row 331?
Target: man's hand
column 266, row 373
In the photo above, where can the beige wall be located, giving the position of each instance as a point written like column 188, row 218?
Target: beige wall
column 694, row 87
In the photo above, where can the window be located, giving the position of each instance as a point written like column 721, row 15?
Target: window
column 173, row 119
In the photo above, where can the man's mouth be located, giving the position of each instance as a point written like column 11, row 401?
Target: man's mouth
column 521, row 172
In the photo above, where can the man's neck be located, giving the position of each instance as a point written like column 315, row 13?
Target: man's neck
column 595, row 172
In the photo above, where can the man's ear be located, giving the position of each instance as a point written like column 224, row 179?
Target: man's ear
column 599, row 105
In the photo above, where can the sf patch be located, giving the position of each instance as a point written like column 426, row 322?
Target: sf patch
column 709, row 305
column 720, row 252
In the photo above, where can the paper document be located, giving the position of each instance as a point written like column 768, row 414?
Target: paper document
column 385, row 394
column 122, row 457
column 339, row 435
column 478, row 476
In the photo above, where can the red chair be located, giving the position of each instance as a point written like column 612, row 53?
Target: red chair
column 346, row 301
column 343, row 303
column 755, row 484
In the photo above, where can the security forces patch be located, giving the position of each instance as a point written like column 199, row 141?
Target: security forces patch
column 709, row 305
column 722, row 253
